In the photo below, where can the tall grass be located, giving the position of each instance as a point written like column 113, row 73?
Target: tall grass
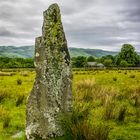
column 19, row 81
column 97, row 100
column 109, row 107
column 20, row 100
column 7, row 74
column 122, row 113
column 77, row 126
column 4, row 95
column 4, row 117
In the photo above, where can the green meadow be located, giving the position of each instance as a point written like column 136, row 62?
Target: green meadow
column 106, row 104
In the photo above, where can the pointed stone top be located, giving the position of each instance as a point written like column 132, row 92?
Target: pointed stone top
column 52, row 20
column 54, row 5
column 52, row 8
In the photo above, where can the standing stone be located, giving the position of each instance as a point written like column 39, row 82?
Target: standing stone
column 51, row 95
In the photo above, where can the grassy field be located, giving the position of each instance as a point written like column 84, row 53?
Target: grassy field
column 106, row 104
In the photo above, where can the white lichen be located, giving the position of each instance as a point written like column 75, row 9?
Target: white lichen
column 31, row 129
column 37, row 54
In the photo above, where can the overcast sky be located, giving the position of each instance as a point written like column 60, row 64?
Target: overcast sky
column 100, row 24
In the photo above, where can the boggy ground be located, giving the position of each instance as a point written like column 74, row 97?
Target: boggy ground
column 106, row 104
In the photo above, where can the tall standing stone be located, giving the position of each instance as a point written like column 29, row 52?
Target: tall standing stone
column 51, row 94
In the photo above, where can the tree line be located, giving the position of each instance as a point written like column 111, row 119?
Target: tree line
column 127, row 57
column 6, row 62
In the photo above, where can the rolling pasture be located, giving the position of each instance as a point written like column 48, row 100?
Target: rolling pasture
column 106, row 104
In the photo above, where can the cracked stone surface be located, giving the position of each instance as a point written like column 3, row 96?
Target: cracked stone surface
column 51, row 95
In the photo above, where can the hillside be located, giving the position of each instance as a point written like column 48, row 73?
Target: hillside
column 12, row 51
column 90, row 52
column 28, row 51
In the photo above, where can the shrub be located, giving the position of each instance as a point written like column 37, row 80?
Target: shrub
column 107, row 62
column 19, row 81
column 123, row 63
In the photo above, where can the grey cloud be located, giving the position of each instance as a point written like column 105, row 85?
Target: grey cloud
column 5, row 33
column 91, row 23
column 131, row 11
column 131, row 15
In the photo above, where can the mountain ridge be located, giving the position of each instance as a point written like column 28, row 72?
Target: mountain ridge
column 28, row 52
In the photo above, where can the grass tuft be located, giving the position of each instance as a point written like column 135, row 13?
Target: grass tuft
column 20, row 100
column 3, row 95
column 132, row 76
column 19, row 81
column 122, row 113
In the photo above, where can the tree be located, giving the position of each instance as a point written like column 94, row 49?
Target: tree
column 6, row 62
column 123, row 63
column 103, row 58
column 90, row 59
column 107, row 62
column 127, row 54
column 79, row 61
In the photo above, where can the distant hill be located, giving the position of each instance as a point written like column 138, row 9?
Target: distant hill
column 12, row 51
column 28, row 52
column 90, row 52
